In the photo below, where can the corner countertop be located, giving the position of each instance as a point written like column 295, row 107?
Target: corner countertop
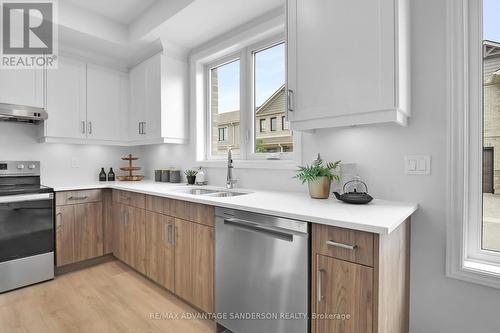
column 379, row 216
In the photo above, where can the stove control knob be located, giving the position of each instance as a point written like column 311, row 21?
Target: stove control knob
column 31, row 166
column 20, row 166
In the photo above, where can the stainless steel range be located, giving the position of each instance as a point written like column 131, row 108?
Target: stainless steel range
column 26, row 226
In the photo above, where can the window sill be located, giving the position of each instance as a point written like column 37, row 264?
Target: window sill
column 478, row 272
column 252, row 164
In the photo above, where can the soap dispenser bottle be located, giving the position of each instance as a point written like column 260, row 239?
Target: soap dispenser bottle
column 200, row 177
column 111, row 175
column 102, row 175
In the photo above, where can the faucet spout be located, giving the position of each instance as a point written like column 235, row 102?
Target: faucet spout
column 229, row 179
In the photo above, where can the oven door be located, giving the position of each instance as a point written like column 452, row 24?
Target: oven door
column 26, row 226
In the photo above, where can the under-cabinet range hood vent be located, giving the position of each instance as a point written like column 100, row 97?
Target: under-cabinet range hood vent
column 22, row 113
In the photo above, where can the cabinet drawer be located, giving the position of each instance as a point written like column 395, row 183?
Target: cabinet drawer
column 155, row 204
column 130, row 198
column 78, row 197
column 346, row 244
column 190, row 211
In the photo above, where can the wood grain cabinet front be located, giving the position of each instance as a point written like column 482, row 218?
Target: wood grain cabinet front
column 79, row 232
column 360, row 281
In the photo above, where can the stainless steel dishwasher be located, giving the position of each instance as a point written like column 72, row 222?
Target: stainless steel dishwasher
column 262, row 273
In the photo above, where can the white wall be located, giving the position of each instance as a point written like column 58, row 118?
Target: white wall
column 438, row 304
column 18, row 142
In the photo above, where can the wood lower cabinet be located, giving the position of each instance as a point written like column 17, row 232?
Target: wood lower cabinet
column 176, row 253
column 344, row 289
column 79, row 232
column 194, row 263
column 360, row 281
column 160, row 249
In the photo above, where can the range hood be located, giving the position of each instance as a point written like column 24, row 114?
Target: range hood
column 22, row 113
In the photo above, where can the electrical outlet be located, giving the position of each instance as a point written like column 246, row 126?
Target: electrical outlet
column 418, row 165
column 75, row 162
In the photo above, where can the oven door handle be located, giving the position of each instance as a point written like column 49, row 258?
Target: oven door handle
column 26, row 197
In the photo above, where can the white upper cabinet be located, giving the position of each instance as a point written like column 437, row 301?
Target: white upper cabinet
column 22, row 87
column 347, row 63
column 107, row 111
column 158, row 106
column 66, row 100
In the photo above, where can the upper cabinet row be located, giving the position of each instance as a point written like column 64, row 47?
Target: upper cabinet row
column 348, row 63
column 92, row 104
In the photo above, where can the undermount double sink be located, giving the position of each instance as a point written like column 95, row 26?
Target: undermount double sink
column 212, row 192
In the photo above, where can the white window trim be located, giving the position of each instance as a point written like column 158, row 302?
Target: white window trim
column 262, row 29
column 464, row 258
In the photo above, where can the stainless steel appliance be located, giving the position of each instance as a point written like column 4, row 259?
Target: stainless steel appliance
column 262, row 273
column 26, row 226
column 22, row 113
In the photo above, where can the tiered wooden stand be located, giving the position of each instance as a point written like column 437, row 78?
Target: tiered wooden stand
column 130, row 169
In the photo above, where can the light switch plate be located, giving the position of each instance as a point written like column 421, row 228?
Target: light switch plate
column 418, row 165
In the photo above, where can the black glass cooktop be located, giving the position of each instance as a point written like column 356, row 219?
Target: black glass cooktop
column 22, row 185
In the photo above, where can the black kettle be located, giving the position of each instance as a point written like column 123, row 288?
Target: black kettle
column 356, row 196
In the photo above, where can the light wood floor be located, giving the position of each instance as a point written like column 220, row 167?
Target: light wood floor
column 109, row 297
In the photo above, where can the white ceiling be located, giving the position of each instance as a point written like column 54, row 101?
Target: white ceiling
column 121, row 11
column 204, row 20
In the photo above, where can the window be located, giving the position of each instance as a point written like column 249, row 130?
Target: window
column 284, row 123
column 262, row 125
column 224, row 106
column 473, row 212
column 273, row 124
column 223, row 134
column 246, row 94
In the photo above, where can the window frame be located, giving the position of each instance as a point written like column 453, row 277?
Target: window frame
column 262, row 125
column 227, row 59
column 248, row 123
column 225, row 132
column 465, row 258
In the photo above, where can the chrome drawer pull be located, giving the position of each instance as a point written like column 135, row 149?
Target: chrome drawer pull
column 341, row 245
column 78, row 198
column 320, row 285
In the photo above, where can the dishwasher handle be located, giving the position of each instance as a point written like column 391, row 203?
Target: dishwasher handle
column 252, row 226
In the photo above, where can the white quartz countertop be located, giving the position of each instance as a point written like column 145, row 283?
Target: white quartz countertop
column 379, row 216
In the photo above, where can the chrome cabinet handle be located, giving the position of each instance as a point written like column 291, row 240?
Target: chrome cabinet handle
column 320, row 285
column 168, row 232
column 341, row 245
column 125, row 218
column 90, row 127
column 83, row 127
column 78, row 198
column 140, row 127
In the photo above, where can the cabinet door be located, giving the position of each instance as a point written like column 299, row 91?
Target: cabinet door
column 88, row 231
column 153, row 86
column 119, row 230
column 22, row 87
column 105, row 118
column 194, row 263
column 343, row 288
column 135, row 238
column 160, row 249
column 66, row 100
column 65, row 224
column 348, row 52
column 137, row 111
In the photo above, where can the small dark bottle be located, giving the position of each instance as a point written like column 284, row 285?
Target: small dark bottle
column 111, row 175
column 102, row 175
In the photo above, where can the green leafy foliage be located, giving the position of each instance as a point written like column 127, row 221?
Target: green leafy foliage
column 191, row 173
column 316, row 170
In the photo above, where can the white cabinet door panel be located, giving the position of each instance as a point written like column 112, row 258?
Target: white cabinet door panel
column 137, row 112
column 341, row 57
column 22, row 86
column 104, row 117
column 66, row 100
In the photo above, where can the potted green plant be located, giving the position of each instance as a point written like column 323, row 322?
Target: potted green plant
column 319, row 177
column 191, row 176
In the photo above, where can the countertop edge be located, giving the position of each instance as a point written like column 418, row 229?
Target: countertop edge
column 381, row 230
